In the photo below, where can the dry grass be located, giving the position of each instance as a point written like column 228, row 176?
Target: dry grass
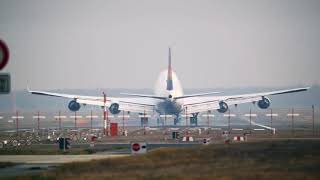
column 263, row 160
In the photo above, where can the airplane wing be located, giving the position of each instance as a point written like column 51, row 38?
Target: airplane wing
column 204, row 104
column 138, row 104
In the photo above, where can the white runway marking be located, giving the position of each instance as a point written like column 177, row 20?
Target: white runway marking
column 263, row 126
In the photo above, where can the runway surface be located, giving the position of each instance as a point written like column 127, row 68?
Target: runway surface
column 55, row 159
column 39, row 163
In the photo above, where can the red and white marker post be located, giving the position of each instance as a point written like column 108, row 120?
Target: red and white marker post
column 105, row 115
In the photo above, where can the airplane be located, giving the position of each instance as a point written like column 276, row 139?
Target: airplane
column 168, row 99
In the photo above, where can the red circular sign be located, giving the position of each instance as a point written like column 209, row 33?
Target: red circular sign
column 136, row 147
column 4, row 54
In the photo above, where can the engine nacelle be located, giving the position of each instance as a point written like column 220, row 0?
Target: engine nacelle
column 264, row 103
column 223, row 107
column 114, row 108
column 74, row 106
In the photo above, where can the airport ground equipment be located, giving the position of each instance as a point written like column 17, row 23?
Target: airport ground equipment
column 114, row 129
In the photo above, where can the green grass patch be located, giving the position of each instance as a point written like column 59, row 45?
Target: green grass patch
column 43, row 151
column 7, row 164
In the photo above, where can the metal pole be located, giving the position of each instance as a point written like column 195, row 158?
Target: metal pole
column 313, row 120
column 17, row 123
column 208, row 118
column 75, row 120
column 165, row 119
column 229, row 121
column 250, row 122
column 105, row 129
column 212, row 121
column 60, row 121
column 108, row 120
column 123, row 123
column 91, row 121
column 144, row 123
column 186, row 117
column 38, row 121
column 186, row 121
column 271, row 120
column 292, row 123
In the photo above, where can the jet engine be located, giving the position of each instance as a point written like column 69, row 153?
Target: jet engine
column 223, row 107
column 264, row 103
column 114, row 108
column 74, row 106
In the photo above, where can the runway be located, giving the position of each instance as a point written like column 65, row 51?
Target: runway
column 37, row 163
column 55, row 159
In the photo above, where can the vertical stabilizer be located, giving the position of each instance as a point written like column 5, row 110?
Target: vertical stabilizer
column 169, row 77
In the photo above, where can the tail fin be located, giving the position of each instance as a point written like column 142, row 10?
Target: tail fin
column 169, row 77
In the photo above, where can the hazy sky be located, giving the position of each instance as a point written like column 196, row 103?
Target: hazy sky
column 114, row 44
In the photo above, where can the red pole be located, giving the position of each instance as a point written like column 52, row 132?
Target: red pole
column 104, row 122
column 91, row 120
column 105, row 115
column 123, row 123
column 187, row 122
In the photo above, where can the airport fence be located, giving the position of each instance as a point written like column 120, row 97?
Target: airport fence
column 272, row 120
